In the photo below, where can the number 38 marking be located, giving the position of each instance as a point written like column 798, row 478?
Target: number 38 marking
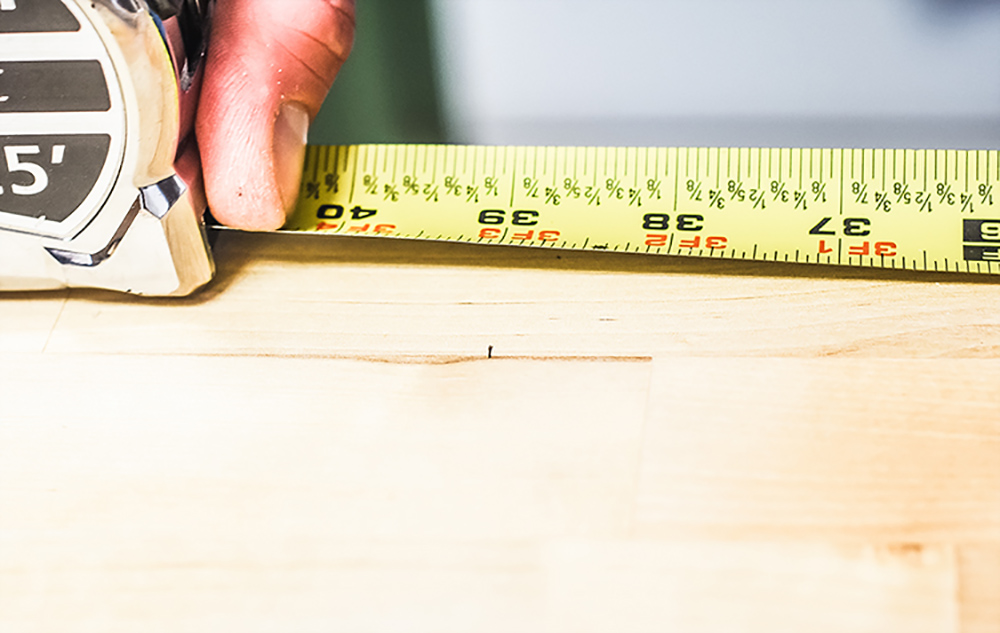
column 683, row 222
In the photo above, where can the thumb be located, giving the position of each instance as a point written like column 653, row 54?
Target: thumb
column 270, row 65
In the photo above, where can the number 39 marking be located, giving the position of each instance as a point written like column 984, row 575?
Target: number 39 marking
column 8, row 5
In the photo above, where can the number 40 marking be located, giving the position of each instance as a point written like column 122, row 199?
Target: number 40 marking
column 8, row 5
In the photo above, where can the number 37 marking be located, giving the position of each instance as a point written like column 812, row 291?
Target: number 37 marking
column 854, row 227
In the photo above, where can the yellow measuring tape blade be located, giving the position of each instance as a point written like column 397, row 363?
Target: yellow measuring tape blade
column 905, row 209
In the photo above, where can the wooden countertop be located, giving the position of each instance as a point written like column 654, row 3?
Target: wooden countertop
column 349, row 434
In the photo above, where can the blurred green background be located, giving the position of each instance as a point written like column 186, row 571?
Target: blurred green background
column 830, row 73
column 387, row 91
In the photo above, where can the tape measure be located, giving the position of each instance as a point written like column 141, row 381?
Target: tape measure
column 925, row 210
column 93, row 95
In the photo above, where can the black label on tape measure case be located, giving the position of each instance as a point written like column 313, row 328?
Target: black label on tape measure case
column 49, row 176
column 53, row 86
column 36, row 16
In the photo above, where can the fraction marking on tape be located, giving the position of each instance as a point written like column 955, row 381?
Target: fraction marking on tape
column 930, row 210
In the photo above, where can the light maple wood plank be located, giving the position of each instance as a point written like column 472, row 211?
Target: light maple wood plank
column 321, row 585
column 190, row 493
column 27, row 319
column 979, row 587
column 890, row 451
column 207, row 464
column 389, row 299
column 501, row 449
column 267, row 494
column 705, row 586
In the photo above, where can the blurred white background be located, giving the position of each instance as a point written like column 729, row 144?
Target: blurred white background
column 902, row 73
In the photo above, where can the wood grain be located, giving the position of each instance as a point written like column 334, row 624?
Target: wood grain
column 979, row 587
column 875, row 450
column 393, row 299
column 319, row 442
column 28, row 319
column 656, row 586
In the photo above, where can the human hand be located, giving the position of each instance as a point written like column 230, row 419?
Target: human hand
column 270, row 65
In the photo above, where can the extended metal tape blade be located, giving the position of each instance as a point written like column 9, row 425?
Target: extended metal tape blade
column 904, row 209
